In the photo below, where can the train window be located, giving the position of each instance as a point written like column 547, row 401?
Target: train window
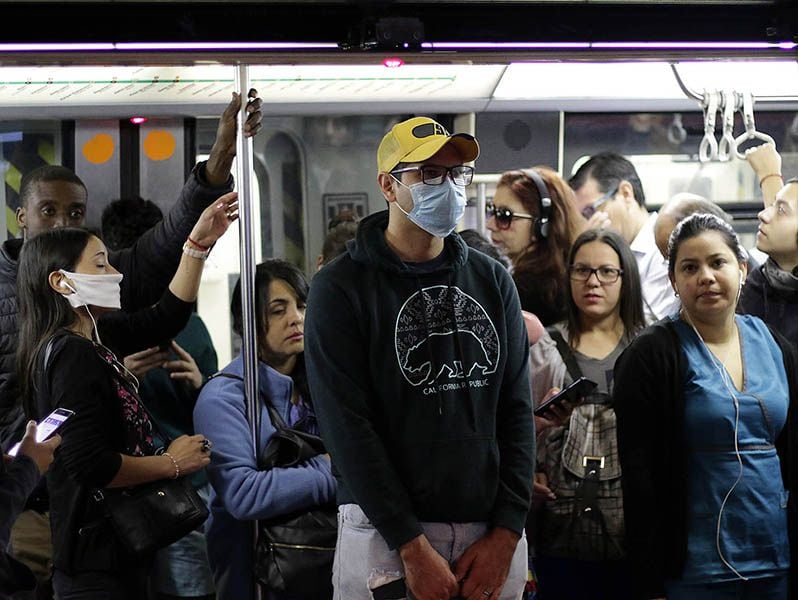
column 664, row 149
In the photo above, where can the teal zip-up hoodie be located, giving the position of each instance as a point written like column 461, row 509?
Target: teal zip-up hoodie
column 420, row 382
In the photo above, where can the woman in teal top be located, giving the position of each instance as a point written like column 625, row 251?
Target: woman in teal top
column 737, row 520
column 702, row 401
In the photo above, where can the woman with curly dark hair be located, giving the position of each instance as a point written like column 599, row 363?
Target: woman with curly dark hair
column 534, row 221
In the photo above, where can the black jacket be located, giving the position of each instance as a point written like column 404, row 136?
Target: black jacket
column 778, row 307
column 421, row 383
column 649, row 406
column 89, row 457
column 16, row 482
column 148, row 267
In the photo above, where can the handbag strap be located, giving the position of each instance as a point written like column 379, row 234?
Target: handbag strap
column 48, row 350
column 565, row 352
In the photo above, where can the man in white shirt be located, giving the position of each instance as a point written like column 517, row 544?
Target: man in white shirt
column 609, row 182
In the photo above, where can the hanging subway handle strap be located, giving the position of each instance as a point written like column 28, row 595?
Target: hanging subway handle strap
column 708, row 149
column 750, row 132
column 676, row 131
column 731, row 103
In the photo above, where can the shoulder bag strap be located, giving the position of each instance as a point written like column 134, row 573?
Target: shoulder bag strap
column 565, row 352
column 274, row 416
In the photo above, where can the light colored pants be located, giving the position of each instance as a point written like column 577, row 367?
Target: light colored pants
column 363, row 559
column 31, row 544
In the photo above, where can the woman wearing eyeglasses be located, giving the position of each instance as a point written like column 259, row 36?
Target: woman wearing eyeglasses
column 536, row 235
column 578, row 481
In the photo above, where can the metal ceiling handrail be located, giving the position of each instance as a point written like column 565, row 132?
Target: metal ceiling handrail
column 728, row 102
column 698, row 97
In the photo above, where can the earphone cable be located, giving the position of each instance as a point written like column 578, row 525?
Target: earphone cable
column 724, row 379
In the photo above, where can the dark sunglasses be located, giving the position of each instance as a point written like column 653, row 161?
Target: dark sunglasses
column 504, row 216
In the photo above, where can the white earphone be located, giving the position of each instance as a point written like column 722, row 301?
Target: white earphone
column 64, row 284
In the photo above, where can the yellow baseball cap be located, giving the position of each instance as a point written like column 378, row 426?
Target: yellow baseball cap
column 419, row 138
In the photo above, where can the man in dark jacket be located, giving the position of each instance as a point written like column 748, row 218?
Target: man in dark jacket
column 54, row 196
column 418, row 369
column 771, row 290
column 18, row 476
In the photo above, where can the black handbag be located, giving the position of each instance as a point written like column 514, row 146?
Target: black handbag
column 294, row 553
column 153, row 515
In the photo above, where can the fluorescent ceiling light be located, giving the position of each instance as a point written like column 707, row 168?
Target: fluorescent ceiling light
column 685, row 45
column 225, row 46
column 609, row 45
column 761, row 78
column 55, row 47
column 505, row 45
column 644, row 80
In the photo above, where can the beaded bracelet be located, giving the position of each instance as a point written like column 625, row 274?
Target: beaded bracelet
column 174, row 462
column 761, row 181
column 188, row 250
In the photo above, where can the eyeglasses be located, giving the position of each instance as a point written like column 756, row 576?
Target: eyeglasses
column 504, row 216
column 604, row 274
column 589, row 211
column 436, row 174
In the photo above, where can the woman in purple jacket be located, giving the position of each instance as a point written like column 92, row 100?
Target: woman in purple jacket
column 242, row 493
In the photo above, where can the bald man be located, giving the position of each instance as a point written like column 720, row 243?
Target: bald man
column 680, row 206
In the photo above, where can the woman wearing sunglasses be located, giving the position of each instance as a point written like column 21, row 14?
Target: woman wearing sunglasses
column 578, row 481
column 535, row 235
column 242, row 492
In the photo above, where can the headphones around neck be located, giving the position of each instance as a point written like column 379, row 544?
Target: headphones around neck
column 542, row 222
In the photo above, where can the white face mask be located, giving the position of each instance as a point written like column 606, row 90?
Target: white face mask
column 436, row 208
column 93, row 290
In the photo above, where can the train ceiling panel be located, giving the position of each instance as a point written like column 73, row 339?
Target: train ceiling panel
column 284, row 88
column 116, row 91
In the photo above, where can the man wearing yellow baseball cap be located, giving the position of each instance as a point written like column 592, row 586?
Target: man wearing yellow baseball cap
column 418, row 372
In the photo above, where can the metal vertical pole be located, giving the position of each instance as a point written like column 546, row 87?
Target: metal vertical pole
column 246, row 225
column 481, row 202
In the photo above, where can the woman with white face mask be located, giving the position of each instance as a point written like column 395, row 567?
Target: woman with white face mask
column 71, row 332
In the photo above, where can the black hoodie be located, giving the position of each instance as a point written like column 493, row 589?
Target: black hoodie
column 771, row 294
column 421, row 385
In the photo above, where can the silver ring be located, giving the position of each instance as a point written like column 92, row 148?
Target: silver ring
column 206, row 445
column 487, row 593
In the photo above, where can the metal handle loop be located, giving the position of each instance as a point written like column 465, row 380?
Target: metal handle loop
column 708, row 149
column 750, row 132
column 676, row 131
column 726, row 145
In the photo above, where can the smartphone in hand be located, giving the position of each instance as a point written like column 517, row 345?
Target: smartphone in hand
column 46, row 427
column 573, row 393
